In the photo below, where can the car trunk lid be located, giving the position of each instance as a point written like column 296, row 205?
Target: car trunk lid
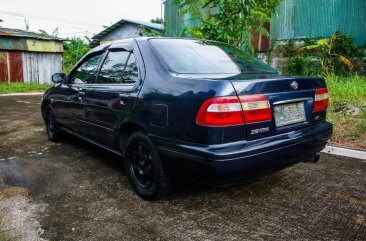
column 290, row 100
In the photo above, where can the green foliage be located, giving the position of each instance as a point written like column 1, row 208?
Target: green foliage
column 347, row 109
column 345, row 45
column 328, row 54
column 148, row 32
column 74, row 49
column 19, row 87
column 302, row 66
column 229, row 21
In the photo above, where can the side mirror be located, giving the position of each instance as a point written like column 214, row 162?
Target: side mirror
column 58, row 78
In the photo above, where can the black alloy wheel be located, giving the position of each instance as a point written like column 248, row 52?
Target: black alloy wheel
column 53, row 129
column 144, row 168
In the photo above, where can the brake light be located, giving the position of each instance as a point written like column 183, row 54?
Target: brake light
column 220, row 111
column 231, row 110
column 321, row 101
column 256, row 108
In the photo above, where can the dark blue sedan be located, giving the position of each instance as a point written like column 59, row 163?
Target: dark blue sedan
column 198, row 110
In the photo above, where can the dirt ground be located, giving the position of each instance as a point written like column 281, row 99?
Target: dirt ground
column 79, row 192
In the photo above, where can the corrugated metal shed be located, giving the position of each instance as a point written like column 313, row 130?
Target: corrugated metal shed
column 29, row 57
column 319, row 18
column 176, row 23
column 296, row 19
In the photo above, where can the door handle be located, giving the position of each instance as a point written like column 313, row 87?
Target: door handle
column 81, row 96
column 123, row 98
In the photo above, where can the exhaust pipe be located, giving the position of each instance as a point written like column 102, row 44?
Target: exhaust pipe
column 314, row 159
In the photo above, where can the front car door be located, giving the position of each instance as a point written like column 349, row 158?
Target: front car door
column 70, row 106
column 110, row 100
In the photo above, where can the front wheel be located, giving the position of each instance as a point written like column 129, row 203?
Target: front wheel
column 144, row 169
column 52, row 127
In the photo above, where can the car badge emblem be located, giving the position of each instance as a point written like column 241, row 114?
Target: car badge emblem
column 294, row 85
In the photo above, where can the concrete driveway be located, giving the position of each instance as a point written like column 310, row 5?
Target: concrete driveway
column 80, row 192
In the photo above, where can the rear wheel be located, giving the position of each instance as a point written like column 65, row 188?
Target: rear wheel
column 144, row 169
column 53, row 128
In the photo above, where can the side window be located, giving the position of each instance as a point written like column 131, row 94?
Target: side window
column 113, row 66
column 131, row 73
column 85, row 74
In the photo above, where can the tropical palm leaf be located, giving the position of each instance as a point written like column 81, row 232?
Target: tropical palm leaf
column 346, row 62
column 322, row 42
column 333, row 39
column 309, row 47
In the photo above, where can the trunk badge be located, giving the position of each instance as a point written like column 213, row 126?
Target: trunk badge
column 294, row 85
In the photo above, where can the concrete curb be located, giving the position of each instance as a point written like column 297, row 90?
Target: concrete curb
column 22, row 94
column 345, row 152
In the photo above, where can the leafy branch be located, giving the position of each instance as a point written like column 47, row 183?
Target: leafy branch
column 327, row 52
column 229, row 21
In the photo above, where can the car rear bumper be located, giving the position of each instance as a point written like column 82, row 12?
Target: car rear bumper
column 232, row 162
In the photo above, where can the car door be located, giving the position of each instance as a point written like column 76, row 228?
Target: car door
column 70, row 106
column 108, row 100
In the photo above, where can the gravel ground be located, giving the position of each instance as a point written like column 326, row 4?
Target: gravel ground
column 76, row 191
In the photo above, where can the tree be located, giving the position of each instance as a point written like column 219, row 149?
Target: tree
column 74, row 49
column 228, row 21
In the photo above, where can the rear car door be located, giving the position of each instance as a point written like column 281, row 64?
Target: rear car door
column 69, row 105
column 110, row 100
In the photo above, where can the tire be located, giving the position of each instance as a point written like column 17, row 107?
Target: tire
column 144, row 168
column 52, row 127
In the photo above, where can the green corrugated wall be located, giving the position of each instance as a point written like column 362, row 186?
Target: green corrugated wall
column 319, row 18
column 176, row 23
column 297, row 19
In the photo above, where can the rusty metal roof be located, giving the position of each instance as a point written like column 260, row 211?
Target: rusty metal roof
column 9, row 32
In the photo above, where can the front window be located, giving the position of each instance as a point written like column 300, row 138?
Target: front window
column 85, row 73
column 186, row 56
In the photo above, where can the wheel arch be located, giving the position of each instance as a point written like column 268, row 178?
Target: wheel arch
column 125, row 130
column 44, row 104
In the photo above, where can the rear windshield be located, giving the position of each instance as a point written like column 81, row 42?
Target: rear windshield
column 186, row 56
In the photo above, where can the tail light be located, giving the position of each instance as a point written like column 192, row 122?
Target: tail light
column 321, row 101
column 220, row 111
column 231, row 110
column 256, row 108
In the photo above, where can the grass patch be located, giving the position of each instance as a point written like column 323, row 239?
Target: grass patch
column 20, row 87
column 347, row 111
column 4, row 236
column 348, row 89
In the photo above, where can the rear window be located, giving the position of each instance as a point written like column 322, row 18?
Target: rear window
column 186, row 56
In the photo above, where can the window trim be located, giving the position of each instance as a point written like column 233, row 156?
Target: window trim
column 81, row 62
column 118, row 49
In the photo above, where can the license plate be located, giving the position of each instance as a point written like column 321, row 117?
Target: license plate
column 289, row 114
